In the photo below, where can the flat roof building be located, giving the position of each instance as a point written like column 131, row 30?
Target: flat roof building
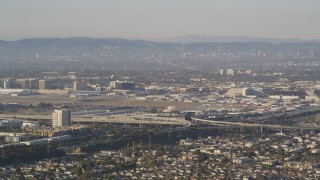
column 80, row 85
column 44, row 84
column 61, row 118
column 122, row 85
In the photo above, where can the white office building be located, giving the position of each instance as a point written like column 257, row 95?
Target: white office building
column 61, row 118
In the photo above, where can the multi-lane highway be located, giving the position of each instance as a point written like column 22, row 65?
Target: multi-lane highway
column 120, row 119
column 134, row 119
column 160, row 120
column 272, row 126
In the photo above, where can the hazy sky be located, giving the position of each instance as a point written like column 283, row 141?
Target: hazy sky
column 159, row 18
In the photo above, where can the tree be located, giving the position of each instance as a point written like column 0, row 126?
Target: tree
column 196, row 152
column 225, row 160
column 32, row 170
column 153, row 110
column 78, row 171
column 43, row 105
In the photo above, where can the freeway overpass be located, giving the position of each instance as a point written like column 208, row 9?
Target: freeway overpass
column 134, row 119
column 117, row 119
column 25, row 116
column 239, row 124
column 152, row 120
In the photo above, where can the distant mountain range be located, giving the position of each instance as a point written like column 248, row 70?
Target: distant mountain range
column 114, row 48
column 229, row 39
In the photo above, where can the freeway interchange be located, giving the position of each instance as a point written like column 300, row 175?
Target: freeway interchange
column 138, row 119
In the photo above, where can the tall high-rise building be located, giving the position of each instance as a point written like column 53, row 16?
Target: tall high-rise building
column 23, row 83
column 61, row 118
column 28, row 83
column 44, row 84
column 33, row 84
column 79, row 85
column 7, row 84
